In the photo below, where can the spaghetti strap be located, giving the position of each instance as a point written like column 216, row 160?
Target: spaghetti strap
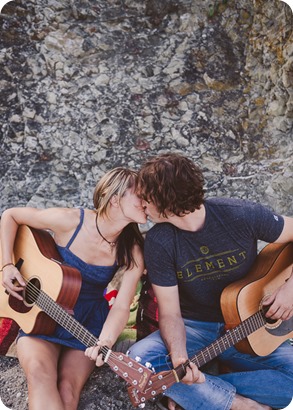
column 77, row 228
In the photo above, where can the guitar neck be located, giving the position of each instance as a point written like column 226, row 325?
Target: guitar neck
column 63, row 318
column 230, row 338
column 161, row 381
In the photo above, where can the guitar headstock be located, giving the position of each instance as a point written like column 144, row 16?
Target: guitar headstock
column 129, row 369
column 157, row 384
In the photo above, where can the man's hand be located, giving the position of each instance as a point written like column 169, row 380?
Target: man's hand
column 281, row 302
column 193, row 374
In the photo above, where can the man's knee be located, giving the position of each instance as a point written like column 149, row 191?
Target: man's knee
column 137, row 350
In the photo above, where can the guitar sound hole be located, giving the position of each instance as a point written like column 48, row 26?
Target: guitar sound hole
column 32, row 291
column 268, row 320
column 271, row 321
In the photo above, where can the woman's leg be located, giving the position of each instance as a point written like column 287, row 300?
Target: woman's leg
column 73, row 371
column 39, row 360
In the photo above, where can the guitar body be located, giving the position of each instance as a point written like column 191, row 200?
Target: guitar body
column 41, row 265
column 243, row 298
column 53, row 287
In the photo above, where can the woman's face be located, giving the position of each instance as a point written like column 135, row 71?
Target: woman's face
column 131, row 206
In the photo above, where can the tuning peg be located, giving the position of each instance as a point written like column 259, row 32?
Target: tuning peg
column 150, row 366
column 137, row 359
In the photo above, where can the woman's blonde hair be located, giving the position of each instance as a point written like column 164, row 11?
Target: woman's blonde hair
column 116, row 182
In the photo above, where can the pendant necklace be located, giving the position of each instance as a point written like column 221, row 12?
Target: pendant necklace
column 112, row 244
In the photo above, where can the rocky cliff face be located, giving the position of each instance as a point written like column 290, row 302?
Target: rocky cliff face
column 87, row 85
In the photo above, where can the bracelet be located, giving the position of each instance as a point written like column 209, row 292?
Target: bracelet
column 6, row 264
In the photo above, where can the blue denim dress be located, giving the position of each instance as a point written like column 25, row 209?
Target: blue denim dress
column 91, row 308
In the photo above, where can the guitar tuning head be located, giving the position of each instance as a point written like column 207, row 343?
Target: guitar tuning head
column 137, row 359
column 148, row 365
column 141, row 405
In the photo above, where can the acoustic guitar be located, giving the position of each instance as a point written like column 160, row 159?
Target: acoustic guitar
column 51, row 291
column 244, row 313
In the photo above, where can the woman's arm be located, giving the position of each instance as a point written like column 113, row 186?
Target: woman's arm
column 119, row 313
column 55, row 219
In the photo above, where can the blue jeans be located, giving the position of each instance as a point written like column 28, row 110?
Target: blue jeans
column 265, row 379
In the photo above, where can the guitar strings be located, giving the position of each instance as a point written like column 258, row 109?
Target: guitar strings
column 91, row 340
column 38, row 295
column 230, row 338
column 162, row 381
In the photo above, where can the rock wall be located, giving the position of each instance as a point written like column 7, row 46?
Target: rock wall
column 87, row 85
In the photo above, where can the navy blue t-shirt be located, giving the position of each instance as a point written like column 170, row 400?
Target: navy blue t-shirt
column 204, row 262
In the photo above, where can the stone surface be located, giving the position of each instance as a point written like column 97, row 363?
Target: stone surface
column 88, row 85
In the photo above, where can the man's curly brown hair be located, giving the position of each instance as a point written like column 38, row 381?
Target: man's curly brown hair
column 173, row 183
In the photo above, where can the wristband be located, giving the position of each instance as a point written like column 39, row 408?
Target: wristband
column 6, row 264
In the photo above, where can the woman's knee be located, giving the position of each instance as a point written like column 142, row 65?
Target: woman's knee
column 38, row 372
column 69, row 393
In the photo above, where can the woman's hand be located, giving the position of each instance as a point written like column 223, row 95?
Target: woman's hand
column 12, row 281
column 94, row 353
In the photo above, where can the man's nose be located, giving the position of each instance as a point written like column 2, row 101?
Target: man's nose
column 144, row 203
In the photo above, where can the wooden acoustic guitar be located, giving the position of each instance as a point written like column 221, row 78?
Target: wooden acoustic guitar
column 243, row 311
column 51, row 291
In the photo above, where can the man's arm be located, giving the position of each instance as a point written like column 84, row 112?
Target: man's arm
column 287, row 232
column 281, row 300
column 170, row 322
column 173, row 330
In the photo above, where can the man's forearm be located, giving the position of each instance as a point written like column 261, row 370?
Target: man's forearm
column 174, row 335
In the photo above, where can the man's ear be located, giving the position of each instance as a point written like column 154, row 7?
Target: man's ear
column 114, row 201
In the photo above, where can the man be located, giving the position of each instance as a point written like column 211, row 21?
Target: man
column 195, row 249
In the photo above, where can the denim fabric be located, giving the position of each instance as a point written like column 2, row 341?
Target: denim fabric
column 267, row 379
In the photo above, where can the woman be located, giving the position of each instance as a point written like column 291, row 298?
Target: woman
column 96, row 242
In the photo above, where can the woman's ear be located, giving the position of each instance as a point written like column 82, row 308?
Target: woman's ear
column 114, row 201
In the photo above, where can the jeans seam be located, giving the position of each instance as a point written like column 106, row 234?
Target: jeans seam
column 231, row 392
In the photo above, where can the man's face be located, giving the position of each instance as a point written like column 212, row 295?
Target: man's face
column 152, row 212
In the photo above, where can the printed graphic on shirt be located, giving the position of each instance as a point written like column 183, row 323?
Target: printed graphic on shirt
column 211, row 266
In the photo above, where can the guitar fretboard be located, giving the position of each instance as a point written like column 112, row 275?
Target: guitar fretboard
column 64, row 319
column 61, row 316
column 230, row 338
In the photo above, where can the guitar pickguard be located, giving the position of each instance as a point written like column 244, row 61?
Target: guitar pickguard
column 18, row 305
column 275, row 327
column 283, row 328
